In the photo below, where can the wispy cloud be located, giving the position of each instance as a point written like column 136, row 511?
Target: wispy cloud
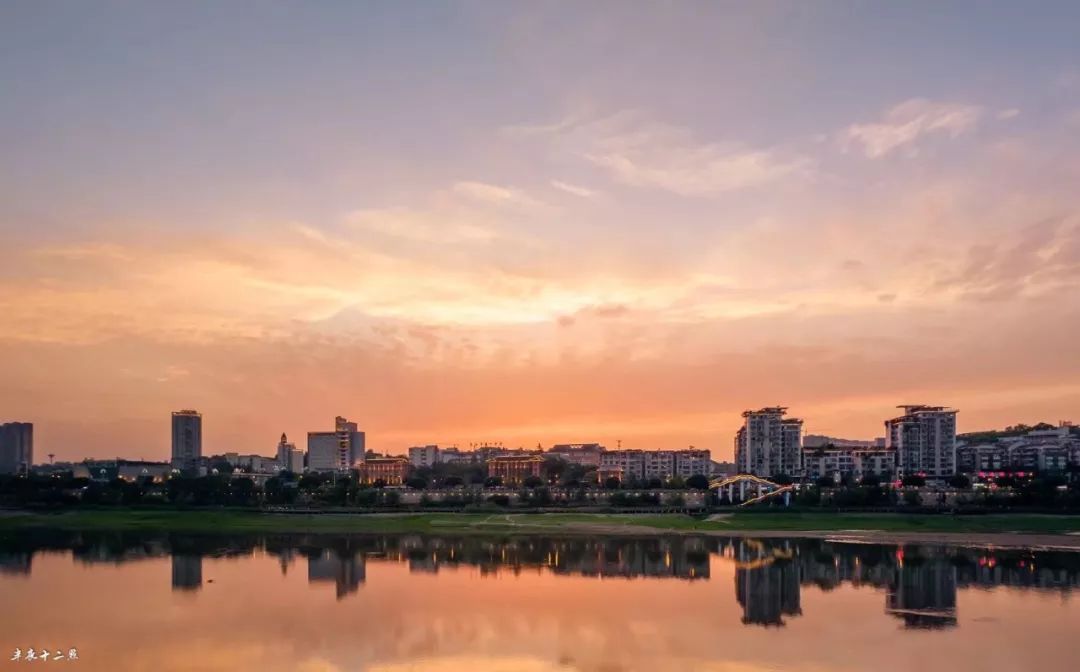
column 1009, row 113
column 639, row 151
column 419, row 226
column 905, row 123
column 494, row 194
column 467, row 212
column 572, row 189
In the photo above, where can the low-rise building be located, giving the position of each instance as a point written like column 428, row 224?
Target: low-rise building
column 627, row 464
column 982, row 457
column 660, row 464
column 136, row 470
column 856, row 463
column 722, row 469
column 389, row 470
column 255, row 464
column 1037, row 450
column 453, row 454
column 128, row 470
column 693, row 462
column 514, row 469
column 585, row 454
column 424, row 456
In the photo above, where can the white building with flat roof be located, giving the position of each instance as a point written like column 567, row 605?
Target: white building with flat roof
column 924, row 439
column 768, row 444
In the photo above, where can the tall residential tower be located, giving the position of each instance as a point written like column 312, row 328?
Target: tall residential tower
column 768, row 444
column 16, row 447
column 186, row 441
column 924, row 439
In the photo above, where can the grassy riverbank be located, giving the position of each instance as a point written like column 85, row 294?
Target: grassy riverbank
column 583, row 523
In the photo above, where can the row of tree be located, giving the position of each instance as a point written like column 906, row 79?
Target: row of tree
column 287, row 489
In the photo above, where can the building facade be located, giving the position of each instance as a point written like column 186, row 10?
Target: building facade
column 255, row 464
column 514, row 469
column 855, row 463
column 1037, row 450
column 585, row 454
column 389, row 470
column 693, row 462
column 186, row 441
column 287, row 456
column 424, row 456
column 453, row 454
column 924, row 439
column 339, row 450
column 16, row 447
column 768, row 444
column 296, row 461
column 643, row 465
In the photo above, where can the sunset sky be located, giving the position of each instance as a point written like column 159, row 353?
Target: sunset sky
column 533, row 222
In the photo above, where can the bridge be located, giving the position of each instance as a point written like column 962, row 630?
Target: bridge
column 753, row 554
column 761, row 488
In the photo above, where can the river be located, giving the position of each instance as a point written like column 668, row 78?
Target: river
column 391, row 603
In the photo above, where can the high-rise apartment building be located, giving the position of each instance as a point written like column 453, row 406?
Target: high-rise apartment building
column 924, row 439
column 186, row 441
column 16, row 447
column 768, row 444
column 339, row 450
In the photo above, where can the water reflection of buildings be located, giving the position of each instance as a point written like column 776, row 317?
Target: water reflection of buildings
column 923, row 595
column 16, row 562
column 186, row 572
column 346, row 570
column 627, row 558
column 920, row 584
column 920, row 591
column 766, row 582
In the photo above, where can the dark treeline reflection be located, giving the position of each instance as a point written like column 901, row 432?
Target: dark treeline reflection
column 919, row 582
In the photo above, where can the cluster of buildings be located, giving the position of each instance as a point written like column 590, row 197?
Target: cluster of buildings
column 514, row 466
column 340, row 449
column 922, row 441
column 1036, row 450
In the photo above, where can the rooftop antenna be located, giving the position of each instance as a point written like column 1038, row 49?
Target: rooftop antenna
column 51, row 456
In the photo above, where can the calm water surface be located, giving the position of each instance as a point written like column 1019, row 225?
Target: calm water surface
column 396, row 603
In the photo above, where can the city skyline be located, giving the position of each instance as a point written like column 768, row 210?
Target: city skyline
column 521, row 223
column 352, row 442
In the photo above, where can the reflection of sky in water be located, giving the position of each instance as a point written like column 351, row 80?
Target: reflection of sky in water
column 390, row 604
